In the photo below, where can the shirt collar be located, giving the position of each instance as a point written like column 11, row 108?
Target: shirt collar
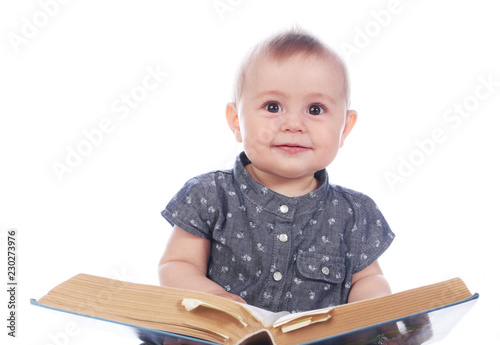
column 280, row 205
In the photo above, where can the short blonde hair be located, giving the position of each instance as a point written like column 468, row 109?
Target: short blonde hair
column 284, row 45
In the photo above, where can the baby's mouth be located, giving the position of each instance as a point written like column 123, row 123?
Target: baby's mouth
column 292, row 148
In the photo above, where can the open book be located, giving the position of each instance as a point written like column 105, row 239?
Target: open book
column 162, row 315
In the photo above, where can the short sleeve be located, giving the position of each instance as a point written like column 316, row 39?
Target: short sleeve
column 374, row 234
column 190, row 209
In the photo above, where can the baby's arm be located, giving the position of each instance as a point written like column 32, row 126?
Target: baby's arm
column 184, row 265
column 369, row 283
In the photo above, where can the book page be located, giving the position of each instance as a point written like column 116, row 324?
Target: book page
column 266, row 317
column 191, row 303
column 292, row 318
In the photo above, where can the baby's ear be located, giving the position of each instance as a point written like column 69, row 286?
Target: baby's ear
column 233, row 120
column 350, row 121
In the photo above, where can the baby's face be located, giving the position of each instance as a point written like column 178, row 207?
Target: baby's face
column 292, row 116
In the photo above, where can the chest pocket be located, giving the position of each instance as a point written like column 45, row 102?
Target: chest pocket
column 317, row 283
column 319, row 267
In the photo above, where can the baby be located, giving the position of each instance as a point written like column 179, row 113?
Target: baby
column 272, row 231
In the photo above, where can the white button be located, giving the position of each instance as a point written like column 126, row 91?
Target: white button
column 283, row 237
column 284, row 209
column 277, row 276
column 325, row 271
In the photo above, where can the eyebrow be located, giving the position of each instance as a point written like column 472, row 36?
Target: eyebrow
column 271, row 93
column 322, row 95
column 319, row 95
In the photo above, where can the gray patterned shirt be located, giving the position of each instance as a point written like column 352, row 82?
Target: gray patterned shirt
column 278, row 252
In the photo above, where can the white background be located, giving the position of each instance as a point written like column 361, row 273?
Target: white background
column 64, row 67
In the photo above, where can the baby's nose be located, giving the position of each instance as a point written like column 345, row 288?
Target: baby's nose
column 293, row 122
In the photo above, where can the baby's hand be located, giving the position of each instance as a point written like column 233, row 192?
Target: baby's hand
column 231, row 296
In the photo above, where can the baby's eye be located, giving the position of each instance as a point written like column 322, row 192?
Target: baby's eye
column 273, row 107
column 315, row 109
